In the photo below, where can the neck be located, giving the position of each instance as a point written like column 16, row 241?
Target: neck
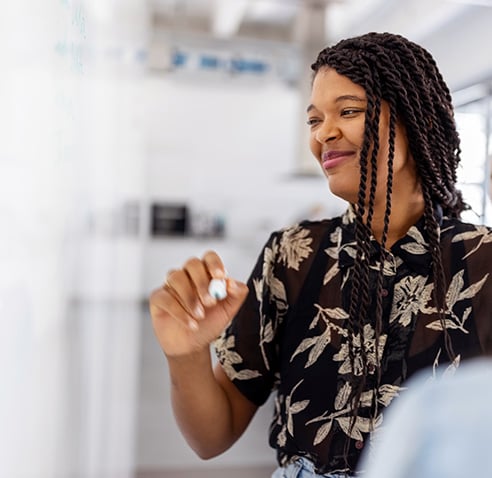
column 405, row 212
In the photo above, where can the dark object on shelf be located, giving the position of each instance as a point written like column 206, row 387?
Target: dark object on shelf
column 170, row 219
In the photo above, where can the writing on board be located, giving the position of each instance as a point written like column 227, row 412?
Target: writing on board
column 72, row 44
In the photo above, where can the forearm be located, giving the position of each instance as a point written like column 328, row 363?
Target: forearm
column 201, row 407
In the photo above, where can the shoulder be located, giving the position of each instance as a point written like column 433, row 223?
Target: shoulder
column 294, row 245
column 307, row 233
column 447, row 417
column 460, row 230
column 313, row 228
column 472, row 237
column 469, row 384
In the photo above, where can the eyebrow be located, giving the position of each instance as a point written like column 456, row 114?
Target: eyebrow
column 341, row 98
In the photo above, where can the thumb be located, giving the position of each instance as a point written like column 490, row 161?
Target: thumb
column 236, row 293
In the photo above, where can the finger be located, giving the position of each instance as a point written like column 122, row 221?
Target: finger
column 178, row 282
column 236, row 293
column 200, row 278
column 214, row 265
column 215, row 291
column 165, row 300
column 236, row 289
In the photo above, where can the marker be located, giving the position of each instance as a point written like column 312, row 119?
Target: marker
column 217, row 289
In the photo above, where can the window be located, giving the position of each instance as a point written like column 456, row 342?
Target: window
column 473, row 117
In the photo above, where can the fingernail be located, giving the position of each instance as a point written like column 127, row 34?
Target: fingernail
column 193, row 325
column 199, row 312
column 220, row 273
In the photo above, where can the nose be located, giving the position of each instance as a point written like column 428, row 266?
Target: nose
column 328, row 131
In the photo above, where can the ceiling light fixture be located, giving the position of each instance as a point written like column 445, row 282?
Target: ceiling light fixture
column 228, row 16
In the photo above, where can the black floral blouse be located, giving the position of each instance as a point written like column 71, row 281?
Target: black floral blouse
column 289, row 335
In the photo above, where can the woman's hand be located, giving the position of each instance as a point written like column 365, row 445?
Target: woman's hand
column 186, row 318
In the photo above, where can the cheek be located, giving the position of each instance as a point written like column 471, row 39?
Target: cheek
column 401, row 151
column 314, row 146
column 355, row 135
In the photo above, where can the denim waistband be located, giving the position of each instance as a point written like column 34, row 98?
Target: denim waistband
column 303, row 468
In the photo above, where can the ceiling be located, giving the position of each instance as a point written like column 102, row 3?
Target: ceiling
column 285, row 20
column 275, row 20
column 287, row 33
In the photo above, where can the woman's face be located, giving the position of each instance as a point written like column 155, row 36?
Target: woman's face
column 336, row 117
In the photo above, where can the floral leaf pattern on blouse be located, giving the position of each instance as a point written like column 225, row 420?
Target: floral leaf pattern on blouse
column 455, row 294
column 370, row 350
column 450, row 369
column 387, row 392
column 276, row 293
column 408, row 299
column 295, row 246
column 333, row 253
column 274, row 286
column 293, row 408
column 481, row 231
column 343, row 417
column 229, row 358
column 419, row 246
column 319, row 342
column 331, row 273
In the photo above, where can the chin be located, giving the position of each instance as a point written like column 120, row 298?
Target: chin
column 343, row 191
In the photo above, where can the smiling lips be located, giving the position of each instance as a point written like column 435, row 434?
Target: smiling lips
column 330, row 159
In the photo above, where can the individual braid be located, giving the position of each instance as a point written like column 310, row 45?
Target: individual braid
column 391, row 68
column 439, row 292
column 379, row 286
column 361, row 303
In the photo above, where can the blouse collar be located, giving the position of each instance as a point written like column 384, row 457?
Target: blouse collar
column 412, row 249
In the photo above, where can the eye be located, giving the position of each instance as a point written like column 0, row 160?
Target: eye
column 312, row 121
column 351, row 111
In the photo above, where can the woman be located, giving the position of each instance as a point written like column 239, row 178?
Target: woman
column 338, row 313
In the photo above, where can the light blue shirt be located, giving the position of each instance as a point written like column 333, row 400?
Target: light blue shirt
column 437, row 429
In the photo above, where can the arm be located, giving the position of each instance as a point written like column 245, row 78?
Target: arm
column 211, row 413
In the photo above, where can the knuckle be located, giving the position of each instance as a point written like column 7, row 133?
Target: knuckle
column 172, row 276
column 192, row 262
column 211, row 257
column 214, row 262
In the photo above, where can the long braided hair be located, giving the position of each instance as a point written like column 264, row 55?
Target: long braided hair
column 391, row 68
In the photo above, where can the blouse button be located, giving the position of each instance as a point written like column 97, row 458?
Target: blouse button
column 384, row 292
column 359, row 444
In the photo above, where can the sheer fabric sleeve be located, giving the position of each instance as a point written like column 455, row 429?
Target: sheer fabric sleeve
column 479, row 268
column 248, row 347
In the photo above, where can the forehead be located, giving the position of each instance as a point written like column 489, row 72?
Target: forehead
column 329, row 85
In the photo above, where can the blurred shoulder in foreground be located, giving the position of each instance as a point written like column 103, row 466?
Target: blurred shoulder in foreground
column 439, row 428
